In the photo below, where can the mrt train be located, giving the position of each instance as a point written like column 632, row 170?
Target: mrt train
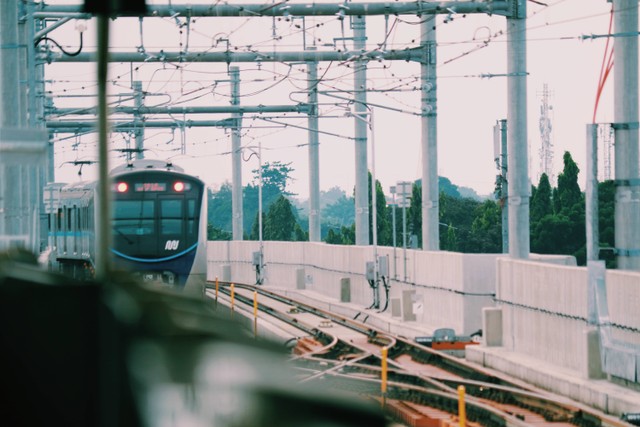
column 158, row 225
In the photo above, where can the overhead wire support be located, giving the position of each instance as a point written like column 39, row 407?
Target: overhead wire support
column 298, row 108
column 408, row 54
column 302, row 9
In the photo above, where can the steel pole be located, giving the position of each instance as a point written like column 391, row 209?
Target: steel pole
column 139, row 133
column 314, row 154
column 591, row 213
column 518, row 173
column 360, row 111
column 430, row 194
column 404, row 237
column 625, row 73
column 236, row 159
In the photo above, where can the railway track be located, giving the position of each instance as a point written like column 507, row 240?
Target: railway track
column 423, row 387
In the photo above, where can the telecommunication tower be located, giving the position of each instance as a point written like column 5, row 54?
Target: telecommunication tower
column 546, row 148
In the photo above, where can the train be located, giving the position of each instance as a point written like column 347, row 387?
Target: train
column 158, row 224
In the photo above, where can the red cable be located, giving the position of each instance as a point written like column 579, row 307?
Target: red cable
column 604, row 73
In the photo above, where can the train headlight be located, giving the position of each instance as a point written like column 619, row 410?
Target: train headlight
column 179, row 186
column 122, row 187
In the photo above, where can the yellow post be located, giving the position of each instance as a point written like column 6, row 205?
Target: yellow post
column 461, row 409
column 383, row 383
column 232, row 297
column 255, row 313
column 216, row 288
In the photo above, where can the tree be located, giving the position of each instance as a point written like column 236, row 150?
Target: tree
column 486, row 229
column 382, row 219
column 541, row 200
column 340, row 213
column 219, row 208
column 569, row 193
column 280, row 222
column 414, row 214
column 275, row 178
column 560, row 230
column 450, row 240
column 214, row 233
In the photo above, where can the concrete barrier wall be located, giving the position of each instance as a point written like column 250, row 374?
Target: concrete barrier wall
column 543, row 300
column 545, row 309
column 623, row 296
column 443, row 289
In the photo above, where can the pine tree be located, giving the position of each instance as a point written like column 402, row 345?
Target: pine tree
column 280, row 222
column 569, row 193
column 541, row 201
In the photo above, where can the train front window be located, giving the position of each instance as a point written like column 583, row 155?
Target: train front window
column 171, row 216
column 134, row 217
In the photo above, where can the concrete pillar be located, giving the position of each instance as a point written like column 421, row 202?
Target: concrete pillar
column 518, row 174
column 590, row 350
column 314, row 154
column 407, row 306
column 429, row 120
column 492, row 327
column 300, row 278
column 345, row 289
column 236, row 159
column 360, row 122
column 625, row 78
column 137, row 118
column 591, row 211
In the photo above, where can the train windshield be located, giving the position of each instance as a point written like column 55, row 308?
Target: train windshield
column 155, row 219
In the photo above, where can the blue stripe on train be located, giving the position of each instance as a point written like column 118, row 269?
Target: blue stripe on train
column 149, row 260
column 180, row 263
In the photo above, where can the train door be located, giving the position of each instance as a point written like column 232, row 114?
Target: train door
column 171, row 225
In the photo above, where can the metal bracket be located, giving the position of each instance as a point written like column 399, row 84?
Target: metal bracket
column 625, row 126
column 633, row 182
column 517, row 9
column 627, row 252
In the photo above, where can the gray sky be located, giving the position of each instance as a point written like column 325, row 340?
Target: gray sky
column 469, row 105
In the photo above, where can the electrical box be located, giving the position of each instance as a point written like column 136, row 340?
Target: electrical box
column 257, row 259
column 383, row 265
column 370, row 272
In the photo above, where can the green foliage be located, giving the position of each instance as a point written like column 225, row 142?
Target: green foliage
column 450, row 240
column 339, row 213
column 219, row 209
column 557, row 216
column 569, row 193
column 342, row 236
column 560, row 230
column 414, row 214
column 280, row 222
column 486, row 229
column 447, row 187
column 606, row 219
column 275, row 177
column 214, row 233
column 541, row 200
column 383, row 224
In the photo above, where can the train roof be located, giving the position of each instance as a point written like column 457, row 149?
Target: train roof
column 146, row 164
